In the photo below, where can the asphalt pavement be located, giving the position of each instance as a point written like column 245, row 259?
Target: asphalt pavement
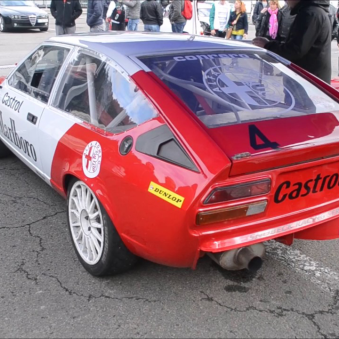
column 45, row 292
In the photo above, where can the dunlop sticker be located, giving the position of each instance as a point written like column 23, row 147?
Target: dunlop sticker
column 165, row 194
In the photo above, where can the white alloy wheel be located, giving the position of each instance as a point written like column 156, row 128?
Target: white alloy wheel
column 86, row 223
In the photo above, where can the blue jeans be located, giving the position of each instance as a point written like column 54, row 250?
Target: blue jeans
column 178, row 28
column 132, row 24
column 152, row 28
column 237, row 37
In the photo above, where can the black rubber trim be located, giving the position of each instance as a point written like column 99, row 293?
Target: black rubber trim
column 160, row 143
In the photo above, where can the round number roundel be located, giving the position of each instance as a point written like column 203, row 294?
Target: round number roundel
column 91, row 159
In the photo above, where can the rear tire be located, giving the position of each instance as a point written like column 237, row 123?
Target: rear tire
column 95, row 239
column 4, row 151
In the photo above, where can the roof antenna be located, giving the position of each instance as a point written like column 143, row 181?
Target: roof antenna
column 191, row 38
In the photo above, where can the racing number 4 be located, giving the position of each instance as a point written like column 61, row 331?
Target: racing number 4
column 256, row 134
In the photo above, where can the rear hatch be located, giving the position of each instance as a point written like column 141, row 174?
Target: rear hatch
column 257, row 110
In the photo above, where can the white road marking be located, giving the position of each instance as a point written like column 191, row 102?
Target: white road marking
column 7, row 66
column 322, row 276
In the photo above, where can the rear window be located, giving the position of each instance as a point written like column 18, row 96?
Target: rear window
column 238, row 87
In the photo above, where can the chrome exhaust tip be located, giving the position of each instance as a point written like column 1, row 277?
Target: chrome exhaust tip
column 250, row 258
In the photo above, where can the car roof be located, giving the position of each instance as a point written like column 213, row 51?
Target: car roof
column 121, row 46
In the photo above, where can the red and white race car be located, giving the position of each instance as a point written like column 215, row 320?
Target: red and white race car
column 169, row 147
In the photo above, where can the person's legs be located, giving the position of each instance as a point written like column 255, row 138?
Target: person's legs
column 152, row 28
column 238, row 37
column 97, row 29
column 59, row 30
column 70, row 30
column 132, row 24
column 179, row 27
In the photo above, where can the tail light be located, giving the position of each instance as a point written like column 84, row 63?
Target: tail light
column 231, row 213
column 241, row 191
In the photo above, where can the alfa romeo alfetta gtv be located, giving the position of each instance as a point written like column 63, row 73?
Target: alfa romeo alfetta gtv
column 169, row 147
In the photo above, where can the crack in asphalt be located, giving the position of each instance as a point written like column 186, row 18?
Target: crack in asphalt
column 91, row 296
column 32, row 223
column 26, row 273
column 37, row 252
column 15, row 199
column 281, row 311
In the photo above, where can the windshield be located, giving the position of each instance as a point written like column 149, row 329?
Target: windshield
column 14, row 3
column 225, row 88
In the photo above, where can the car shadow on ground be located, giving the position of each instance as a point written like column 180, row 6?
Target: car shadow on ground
column 26, row 31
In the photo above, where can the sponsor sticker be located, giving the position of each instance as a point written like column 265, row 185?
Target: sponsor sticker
column 165, row 194
column 12, row 102
column 242, row 89
column 9, row 131
column 91, row 159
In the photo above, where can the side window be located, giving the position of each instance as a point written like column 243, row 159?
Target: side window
column 36, row 76
column 97, row 93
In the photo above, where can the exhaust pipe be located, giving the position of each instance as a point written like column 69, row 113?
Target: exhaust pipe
column 249, row 258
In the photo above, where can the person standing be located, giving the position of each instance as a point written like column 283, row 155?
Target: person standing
column 132, row 13
column 219, row 16
column 95, row 9
column 286, row 22
column 238, row 20
column 151, row 15
column 259, row 6
column 104, row 13
column 334, row 21
column 116, row 16
column 270, row 21
column 308, row 44
column 176, row 18
column 65, row 14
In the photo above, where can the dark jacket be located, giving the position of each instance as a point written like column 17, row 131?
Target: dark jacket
column 66, row 13
column 264, row 22
column 308, row 44
column 95, row 9
column 257, row 10
column 333, row 15
column 151, row 13
column 105, row 9
column 242, row 22
column 334, row 21
column 176, row 8
column 287, row 22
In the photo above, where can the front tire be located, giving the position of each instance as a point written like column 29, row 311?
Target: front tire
column 95, row 239
column 3, row 27
column 45, row 29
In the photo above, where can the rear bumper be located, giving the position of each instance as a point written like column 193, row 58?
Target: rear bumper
column 171, row 245
column 321, row 226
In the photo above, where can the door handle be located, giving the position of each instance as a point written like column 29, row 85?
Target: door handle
column 32, row 118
